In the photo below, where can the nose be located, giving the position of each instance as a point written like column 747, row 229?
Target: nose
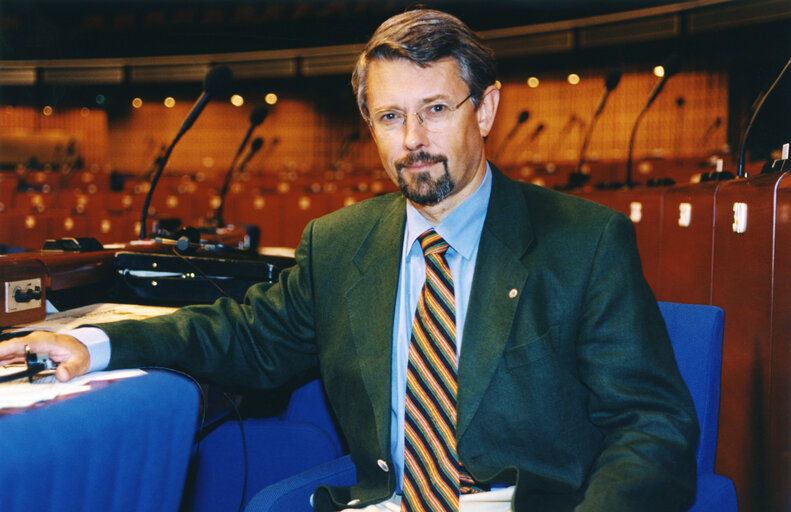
column 415, row 134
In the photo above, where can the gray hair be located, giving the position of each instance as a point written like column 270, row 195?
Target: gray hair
column 425, row 36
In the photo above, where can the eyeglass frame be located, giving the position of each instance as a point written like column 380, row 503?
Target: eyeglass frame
column 416, row 113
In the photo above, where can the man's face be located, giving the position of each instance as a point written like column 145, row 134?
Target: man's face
column 431, row 166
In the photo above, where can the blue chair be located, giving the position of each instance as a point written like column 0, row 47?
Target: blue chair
column 696, row 335
column 302, row 437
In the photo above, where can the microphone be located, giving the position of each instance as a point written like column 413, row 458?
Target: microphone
column 254, row 147
column 525, row 155
column 523, row 116
column 155, row 163
column 740, row 173
column 610, row 83
column 343, row 152
column 680, row 102
column 564, row 132
column 347, row 144
column 536, row 132
column 257, row 117
column 271, row 147
column 671, row 66
column 710, row 131
column 217, row 80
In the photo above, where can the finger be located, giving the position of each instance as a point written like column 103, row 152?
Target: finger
column 67, row 371
column 38, row 342
column 76, row 365
column 12, row 351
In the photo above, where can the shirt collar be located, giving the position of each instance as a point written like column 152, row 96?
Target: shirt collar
column 461, row 229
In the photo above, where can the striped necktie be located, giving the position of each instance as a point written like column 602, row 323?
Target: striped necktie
column 432, row 469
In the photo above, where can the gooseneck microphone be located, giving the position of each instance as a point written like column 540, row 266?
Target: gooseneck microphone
column 671, row 66
column 758, row 105
column 255, row 146
column 536, row 132
column 347, row 143
column 523, row 116
column 610, row 83
column 704, row 141
column 257, row 117
column 257, row 143
column 217, row 81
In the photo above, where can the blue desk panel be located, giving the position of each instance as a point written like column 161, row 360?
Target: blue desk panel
column 124, row 447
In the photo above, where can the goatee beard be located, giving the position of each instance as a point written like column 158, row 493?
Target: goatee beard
column 423, row 189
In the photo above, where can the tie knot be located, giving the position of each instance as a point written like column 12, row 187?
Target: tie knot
column 432, row 243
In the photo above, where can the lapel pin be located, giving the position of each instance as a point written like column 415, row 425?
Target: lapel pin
column 513, row 293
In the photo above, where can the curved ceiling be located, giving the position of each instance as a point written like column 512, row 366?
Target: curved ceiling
column 79, row 29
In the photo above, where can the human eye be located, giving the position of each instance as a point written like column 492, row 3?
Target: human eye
column 435, row 111
column 389, row 118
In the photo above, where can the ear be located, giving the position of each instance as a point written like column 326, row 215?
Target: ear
column 487, row 109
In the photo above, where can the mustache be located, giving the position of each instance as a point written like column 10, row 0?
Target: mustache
column 419, row 157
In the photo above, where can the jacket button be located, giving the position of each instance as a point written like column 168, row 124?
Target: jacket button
column 383, row 465
column 353, row 502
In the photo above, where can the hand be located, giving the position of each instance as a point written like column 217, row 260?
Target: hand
column 71, row 355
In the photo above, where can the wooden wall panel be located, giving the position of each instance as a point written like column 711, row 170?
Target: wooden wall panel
column 686, row 261
column 742, row 286
column 780, row 415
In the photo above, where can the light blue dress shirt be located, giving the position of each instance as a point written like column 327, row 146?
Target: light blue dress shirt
column 461, row 229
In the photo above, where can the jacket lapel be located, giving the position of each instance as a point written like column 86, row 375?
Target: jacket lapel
column 371, row 308
column 499, row 282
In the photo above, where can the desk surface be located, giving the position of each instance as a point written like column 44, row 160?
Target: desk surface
column 123, row 447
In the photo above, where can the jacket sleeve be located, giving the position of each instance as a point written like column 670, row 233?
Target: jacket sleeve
column 638, row 399
column 258, row 343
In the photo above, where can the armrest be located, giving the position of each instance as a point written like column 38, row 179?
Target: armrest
column 716, row 493
column 274, row 450
column 294, row 494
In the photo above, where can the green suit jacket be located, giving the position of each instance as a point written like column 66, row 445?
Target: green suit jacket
column 568, row 386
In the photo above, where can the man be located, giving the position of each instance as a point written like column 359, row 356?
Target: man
column 563, row 388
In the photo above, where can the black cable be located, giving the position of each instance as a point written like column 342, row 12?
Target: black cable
column 201, row 272
column 244, row 447
column 203, row 399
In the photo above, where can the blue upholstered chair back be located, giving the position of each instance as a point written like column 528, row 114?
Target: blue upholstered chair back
column 696, row 335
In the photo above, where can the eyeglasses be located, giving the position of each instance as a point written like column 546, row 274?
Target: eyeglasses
column 434, row 117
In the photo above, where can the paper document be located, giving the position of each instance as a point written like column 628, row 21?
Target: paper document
column 95, row 314
column 22, row 393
